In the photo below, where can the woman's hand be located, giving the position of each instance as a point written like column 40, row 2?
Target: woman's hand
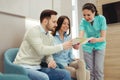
column 93, row 40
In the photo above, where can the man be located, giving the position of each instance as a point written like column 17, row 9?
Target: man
column 36, row 45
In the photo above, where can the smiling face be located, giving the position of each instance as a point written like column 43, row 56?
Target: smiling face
column 88, row 15
column 65, row 25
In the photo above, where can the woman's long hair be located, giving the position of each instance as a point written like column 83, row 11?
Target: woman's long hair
column 59, row 24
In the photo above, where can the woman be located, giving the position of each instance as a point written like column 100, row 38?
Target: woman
column 65, row 57
column 94, row 25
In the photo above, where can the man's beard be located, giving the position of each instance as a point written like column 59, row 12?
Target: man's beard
column 50, row 28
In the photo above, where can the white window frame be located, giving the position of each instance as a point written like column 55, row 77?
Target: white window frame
column 75, row 27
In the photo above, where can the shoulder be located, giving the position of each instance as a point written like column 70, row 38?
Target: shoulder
column 34, row 28
column 33, row 31
column 83, row 19
column 68, row 37
column 100, row 17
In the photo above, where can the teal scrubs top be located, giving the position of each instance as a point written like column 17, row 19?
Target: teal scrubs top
column 94, row 30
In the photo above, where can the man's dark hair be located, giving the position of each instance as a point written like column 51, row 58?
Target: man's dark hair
column 47, row 14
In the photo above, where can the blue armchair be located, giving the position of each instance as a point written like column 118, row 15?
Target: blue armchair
column 9, row 67
column 13, row 77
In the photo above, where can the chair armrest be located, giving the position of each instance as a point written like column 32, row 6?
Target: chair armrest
column 13, row 68
column 13, row 77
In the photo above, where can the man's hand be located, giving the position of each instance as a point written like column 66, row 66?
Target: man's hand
column 76, row 59
column 67, row 44
column 52, row 64
column 76, row 46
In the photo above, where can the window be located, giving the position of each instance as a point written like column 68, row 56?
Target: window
column 74, row 28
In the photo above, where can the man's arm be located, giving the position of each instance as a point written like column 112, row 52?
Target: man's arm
column 35, row 41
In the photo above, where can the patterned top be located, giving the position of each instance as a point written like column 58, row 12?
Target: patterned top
column 36, row 45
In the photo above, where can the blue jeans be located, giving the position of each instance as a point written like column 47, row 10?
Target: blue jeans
column 37, row 75
column 49, row 74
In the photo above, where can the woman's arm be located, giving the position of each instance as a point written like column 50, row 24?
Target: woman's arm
column 81, row 34
column 101, row 39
